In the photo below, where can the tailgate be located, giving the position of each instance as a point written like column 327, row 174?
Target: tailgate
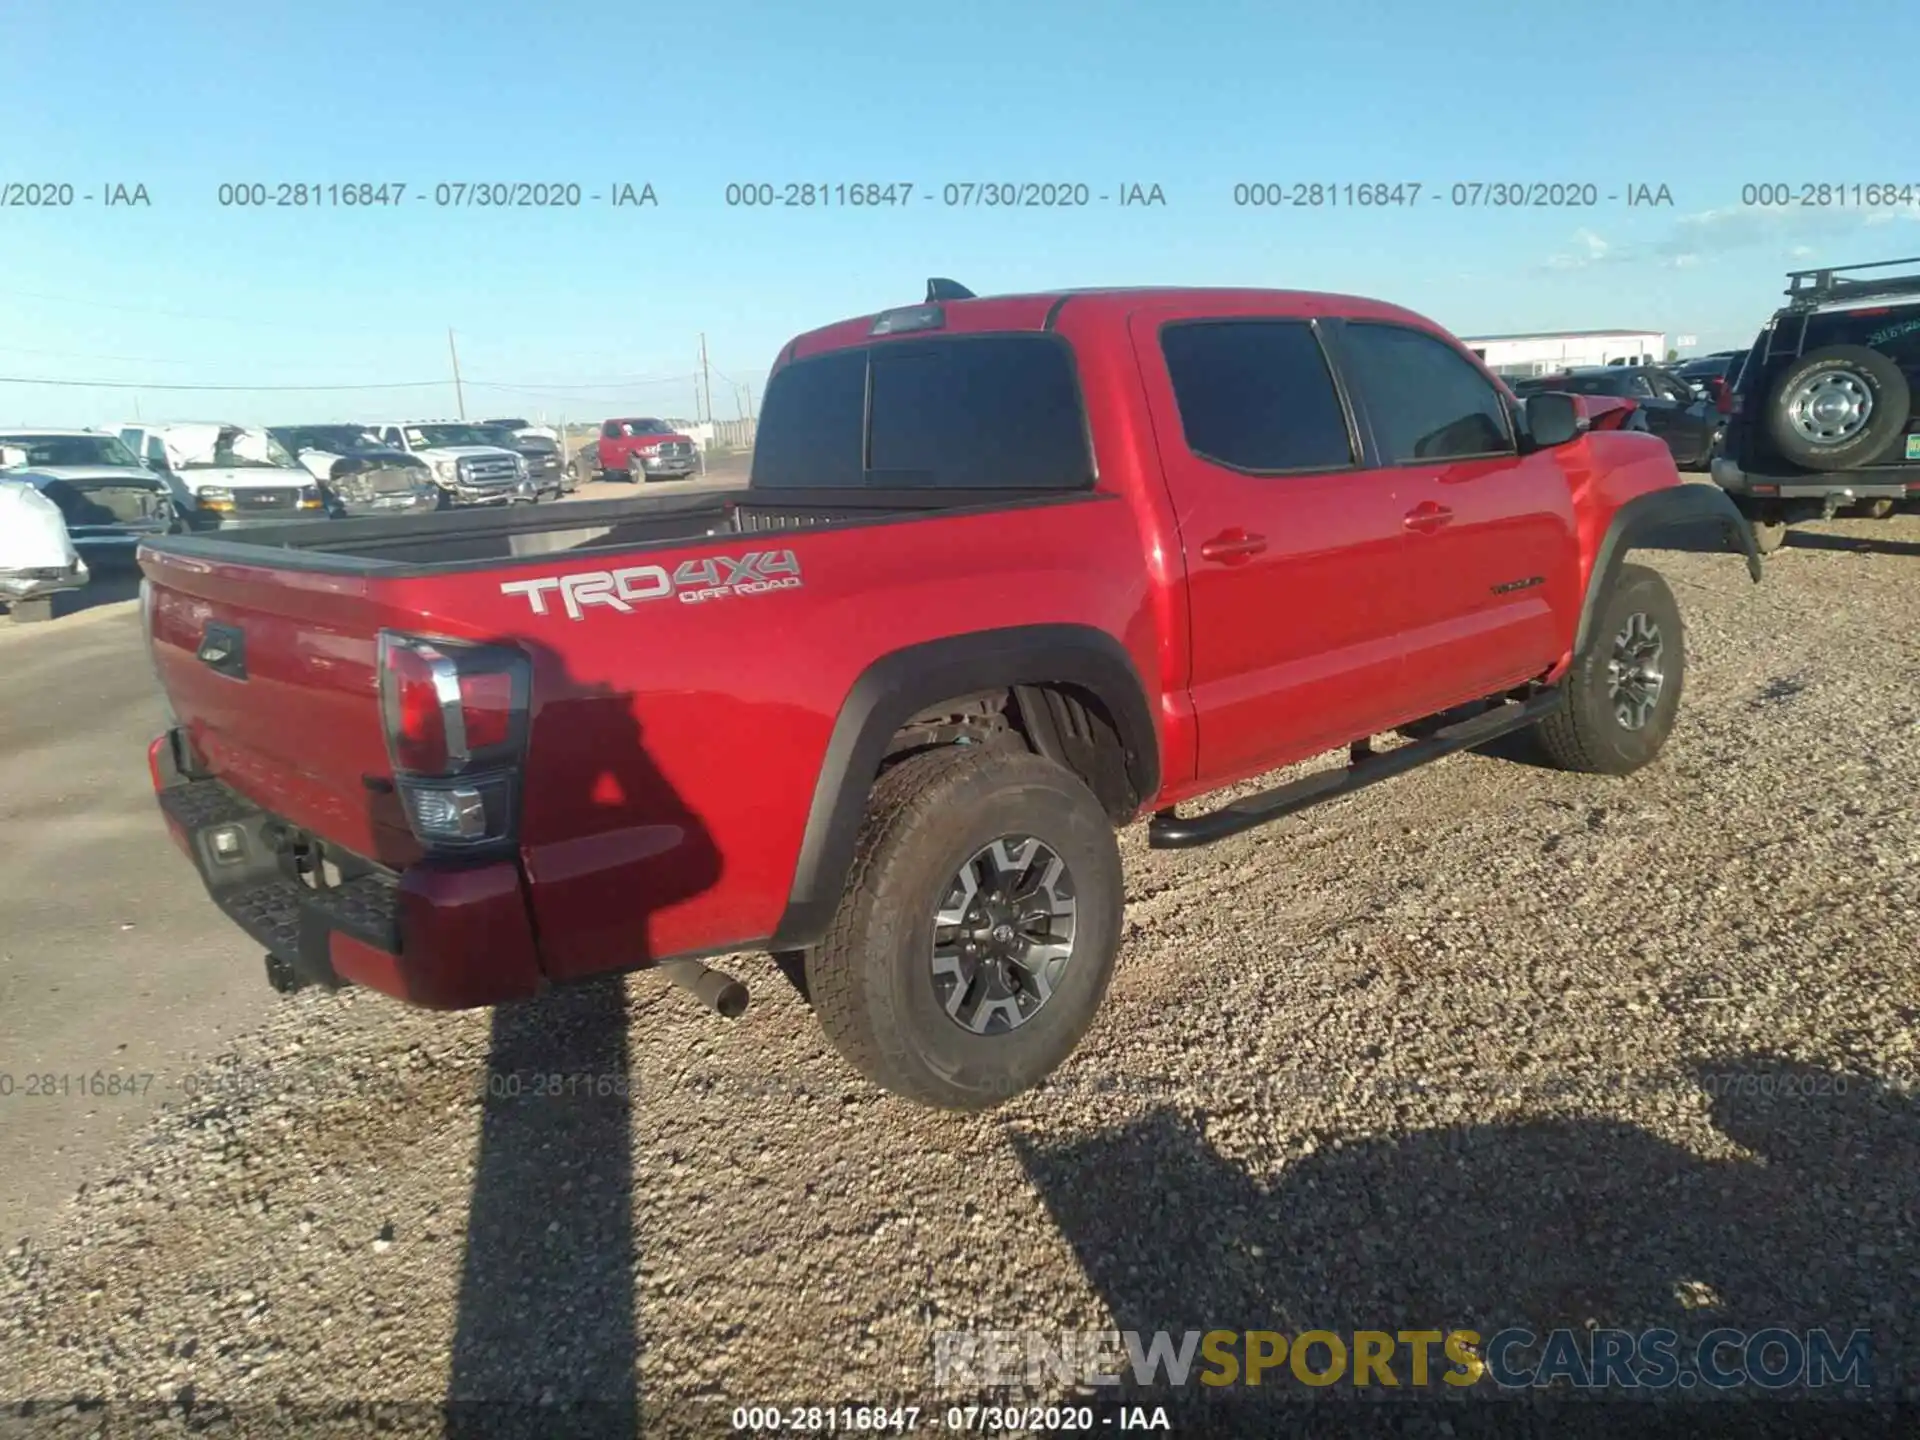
column 272, row 672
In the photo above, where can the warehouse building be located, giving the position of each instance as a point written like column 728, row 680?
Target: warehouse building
column 1551, row 351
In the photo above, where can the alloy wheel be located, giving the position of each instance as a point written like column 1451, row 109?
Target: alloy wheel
column 1634, row 675
column 1003, row 935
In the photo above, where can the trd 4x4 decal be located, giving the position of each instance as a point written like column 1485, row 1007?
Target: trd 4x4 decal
column 692, row 582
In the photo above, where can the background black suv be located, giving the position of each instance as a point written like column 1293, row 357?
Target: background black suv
column 1823, row 410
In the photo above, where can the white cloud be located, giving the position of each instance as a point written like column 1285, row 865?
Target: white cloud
column 1695, row 239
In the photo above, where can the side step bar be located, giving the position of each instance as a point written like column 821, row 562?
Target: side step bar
column 1169, row 831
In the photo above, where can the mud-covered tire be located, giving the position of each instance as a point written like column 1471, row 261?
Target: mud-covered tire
column 1596, row 732
column 872, row 979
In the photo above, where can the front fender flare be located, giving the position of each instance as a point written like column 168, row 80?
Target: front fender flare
column 1640, row 519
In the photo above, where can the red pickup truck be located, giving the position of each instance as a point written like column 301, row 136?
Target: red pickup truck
column 1009, row 573
column 638, row 449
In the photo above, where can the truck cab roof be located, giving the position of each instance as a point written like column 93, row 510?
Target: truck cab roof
column 1041, row 311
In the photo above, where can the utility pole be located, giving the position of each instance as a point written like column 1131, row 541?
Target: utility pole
column 706, row 378
column 459, row 395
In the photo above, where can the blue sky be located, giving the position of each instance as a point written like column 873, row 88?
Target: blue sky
column 597, row 310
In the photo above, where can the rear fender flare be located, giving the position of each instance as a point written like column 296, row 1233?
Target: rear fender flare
column 898, row 686
column 1636, row 524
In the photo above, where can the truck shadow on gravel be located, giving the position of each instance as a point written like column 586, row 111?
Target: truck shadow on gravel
column 546, row 1339
column 1554, row 1223
column 1855, row 544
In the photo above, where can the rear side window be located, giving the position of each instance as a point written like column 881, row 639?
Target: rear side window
column 1426, row 400
column 1894, row 332
column 993, row 412
column 1256, row 395
column 810, row 424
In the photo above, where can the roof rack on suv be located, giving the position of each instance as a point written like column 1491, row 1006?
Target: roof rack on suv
column 1809, row 288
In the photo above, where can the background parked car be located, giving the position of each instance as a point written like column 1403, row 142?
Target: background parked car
column 109, row 500
column 359, row 475
column 526, row 427
column 544, row 467
column 1703, row 369
column 639, row 448
column 467, row 461
column 37, row 556
column 1689, row 420
column 1824, row 406
column 227, row 476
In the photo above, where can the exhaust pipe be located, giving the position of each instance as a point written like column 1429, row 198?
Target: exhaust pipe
column 715, row 989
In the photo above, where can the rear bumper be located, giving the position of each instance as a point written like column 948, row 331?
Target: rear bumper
column 446, row 937
column 1843, row 485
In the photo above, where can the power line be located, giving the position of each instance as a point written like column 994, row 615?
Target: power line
column 388, row 385
column 145, row 385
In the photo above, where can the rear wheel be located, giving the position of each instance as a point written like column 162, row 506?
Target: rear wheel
column 1624, row 691
column 978, row 929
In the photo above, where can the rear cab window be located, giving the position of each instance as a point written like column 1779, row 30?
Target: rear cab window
column 953, row 412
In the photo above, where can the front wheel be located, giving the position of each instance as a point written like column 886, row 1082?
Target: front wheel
column 977, row 931
column 1624, row 691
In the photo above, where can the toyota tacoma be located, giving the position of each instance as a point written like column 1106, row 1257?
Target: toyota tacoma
column 1009, row 573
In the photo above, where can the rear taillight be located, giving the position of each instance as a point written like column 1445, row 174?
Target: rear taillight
column 456, row 719
column 1722, row 396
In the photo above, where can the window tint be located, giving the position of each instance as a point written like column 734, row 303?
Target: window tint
column 1427, row 402
column 973, row 414
column 1893, row 332
column 998, row 411
column 810, row 423
column 1641, row 387
column 1256, row 395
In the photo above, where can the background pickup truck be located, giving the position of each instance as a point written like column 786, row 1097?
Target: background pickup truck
column 1009, row 573
column 639, row 449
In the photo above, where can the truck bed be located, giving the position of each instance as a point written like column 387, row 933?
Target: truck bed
column 400, row 545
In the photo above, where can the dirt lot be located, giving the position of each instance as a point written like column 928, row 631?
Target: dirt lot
column 1492, row 1046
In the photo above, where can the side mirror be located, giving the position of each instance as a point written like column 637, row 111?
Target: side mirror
column 12, row 457
column 1552, row 419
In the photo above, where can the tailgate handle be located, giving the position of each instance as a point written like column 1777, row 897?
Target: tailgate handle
column 224, row 648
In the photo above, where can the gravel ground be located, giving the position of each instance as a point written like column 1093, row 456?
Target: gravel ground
column 1491, row 1046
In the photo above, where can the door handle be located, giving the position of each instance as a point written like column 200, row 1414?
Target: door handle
column 1231, row 547
column 1427, row 517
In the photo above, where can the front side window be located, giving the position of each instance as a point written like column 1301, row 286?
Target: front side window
column 1257, row 395
column 1426, row 400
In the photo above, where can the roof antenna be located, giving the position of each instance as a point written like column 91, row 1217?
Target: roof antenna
column 938, row 290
